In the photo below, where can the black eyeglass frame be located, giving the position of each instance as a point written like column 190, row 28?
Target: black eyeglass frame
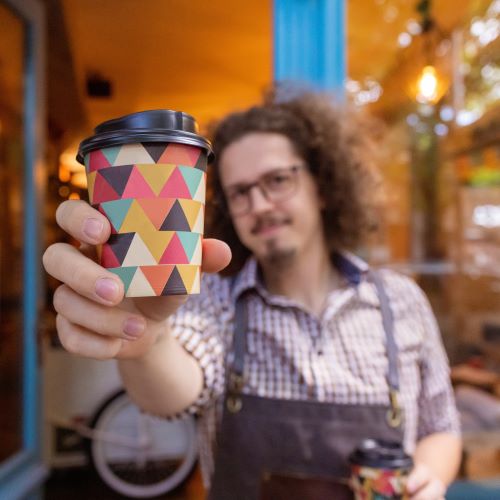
column 245, row 189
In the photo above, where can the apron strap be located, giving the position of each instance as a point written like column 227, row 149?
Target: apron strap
column 394, row 417
column 235, row 377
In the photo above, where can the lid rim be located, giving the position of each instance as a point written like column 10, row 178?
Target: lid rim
column 116, row 138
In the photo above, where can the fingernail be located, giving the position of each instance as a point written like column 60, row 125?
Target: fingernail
column 134, row 327
column 93, row 228
column 107, row 289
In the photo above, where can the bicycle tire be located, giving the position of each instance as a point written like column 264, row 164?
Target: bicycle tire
column 111, row 407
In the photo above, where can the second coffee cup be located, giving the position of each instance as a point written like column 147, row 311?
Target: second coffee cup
column 380, row 470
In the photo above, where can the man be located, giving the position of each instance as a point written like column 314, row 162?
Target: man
column 294, row 358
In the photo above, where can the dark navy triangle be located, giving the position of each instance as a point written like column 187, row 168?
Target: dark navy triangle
column 155, row 149
column 175, row 285
column 120, row 243
column 201, row 162
column 117, row 177
column 175, row 220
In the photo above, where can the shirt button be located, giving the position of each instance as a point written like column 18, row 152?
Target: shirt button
column 320, row 352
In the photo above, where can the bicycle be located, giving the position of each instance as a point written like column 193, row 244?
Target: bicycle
column 136, row 454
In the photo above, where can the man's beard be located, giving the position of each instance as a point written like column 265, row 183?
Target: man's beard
column 275, row 256
column 280, row 258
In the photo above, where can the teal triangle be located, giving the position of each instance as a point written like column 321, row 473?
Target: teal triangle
column 189, row 241
column 86, row 159
column 192, row 177
column 116, row 211
column 125, row 274
column 111, row 154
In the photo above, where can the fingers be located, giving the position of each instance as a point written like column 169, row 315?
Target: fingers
column 423, row 485
column 113, row 322
column 433, row 490
column 67, row 264
column 216, row 255
column 83, row 222
column 78, row 340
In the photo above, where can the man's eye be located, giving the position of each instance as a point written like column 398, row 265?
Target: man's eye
column 278, row 180
column 238, row 193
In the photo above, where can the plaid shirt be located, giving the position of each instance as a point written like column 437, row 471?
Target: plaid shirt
column 338, row 357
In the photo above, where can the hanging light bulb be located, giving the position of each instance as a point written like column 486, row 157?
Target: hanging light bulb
column 428, row 85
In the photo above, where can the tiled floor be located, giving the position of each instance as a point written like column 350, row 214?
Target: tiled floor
column 84, row 484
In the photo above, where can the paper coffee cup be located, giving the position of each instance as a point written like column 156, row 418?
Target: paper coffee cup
column 146, row 172
column 379, row 470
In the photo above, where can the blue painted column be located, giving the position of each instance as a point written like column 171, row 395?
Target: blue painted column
column 309, row 43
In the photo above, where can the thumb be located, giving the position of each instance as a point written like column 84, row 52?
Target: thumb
column 216, row 255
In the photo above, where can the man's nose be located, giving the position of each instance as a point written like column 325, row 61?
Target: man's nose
column 258, row 200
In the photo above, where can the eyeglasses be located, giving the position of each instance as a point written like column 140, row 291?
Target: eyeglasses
column 277, row 185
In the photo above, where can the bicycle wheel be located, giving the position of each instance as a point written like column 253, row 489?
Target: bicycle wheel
column 138, row 455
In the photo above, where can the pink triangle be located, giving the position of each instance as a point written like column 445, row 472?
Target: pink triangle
column 180, row 154
column 108, row 258
column 103, row 191
column 175, row 187
column 174, row 253
column 97, row 160
column 137, row 187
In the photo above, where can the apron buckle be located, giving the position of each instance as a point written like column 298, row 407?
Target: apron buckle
column 234, row 403
column 394, row 414
column 235, row 385
column 236, row 381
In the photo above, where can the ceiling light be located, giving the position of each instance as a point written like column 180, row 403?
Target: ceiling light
column 427, row 85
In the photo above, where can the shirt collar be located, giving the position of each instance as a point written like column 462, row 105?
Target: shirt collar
column 352, row 267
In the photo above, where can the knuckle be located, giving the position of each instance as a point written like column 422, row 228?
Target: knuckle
column 59, row 299
column 66, row 336
column 49, row 256
column 60, row 211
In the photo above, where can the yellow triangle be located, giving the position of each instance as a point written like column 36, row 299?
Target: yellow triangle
column 188, row 274
column 136, row 221
column 138, row 254
column 156, row 175
column 90, row 184
column 140, row 286
column 197, row 255
column 200, row 192
column 196, row 283
column 191, row 210
column 198, row 225
column 157, row 242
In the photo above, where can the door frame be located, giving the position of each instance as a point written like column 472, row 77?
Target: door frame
column 23, row 473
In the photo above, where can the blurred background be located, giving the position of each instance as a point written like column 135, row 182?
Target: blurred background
column 429, row 70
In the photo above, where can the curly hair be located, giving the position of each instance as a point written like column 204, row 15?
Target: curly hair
column 337, row 144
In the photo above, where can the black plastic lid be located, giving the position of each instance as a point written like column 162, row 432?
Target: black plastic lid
column 381, row 454
column 157, row 125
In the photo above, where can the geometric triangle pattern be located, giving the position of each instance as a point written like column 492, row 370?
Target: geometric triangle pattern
column 155, row 281
column 153, row 194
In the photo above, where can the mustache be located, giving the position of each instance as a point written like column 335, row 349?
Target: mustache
column 269, row 220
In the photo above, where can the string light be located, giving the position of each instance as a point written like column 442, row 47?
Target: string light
column 428, row 85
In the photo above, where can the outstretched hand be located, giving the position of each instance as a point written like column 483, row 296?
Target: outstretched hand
column 94, row 319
